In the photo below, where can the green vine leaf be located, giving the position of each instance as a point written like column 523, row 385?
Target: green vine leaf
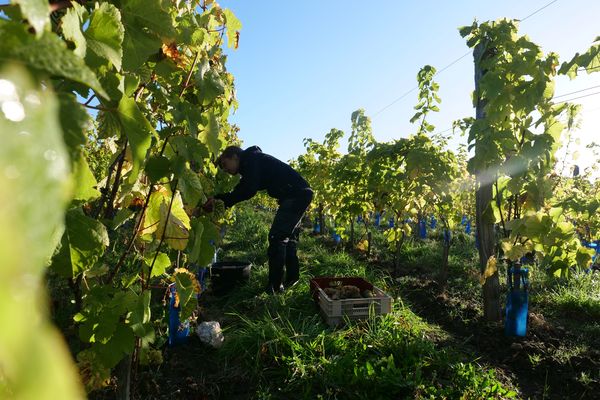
column 71, row 27
column 160, row 265
column 105, row 34
column 84, row 182
column 147, row 27
column 141, row 314
column 196, row 242
column 138, row 130
column 150, row 14
column 75, row 122
column 206, row 234
column 37, row 13
column 234, row 26
column 191, row 188
column 157, row 167
column 210, row 134
column 48, row 54
column 34, row 181
column 83, row 243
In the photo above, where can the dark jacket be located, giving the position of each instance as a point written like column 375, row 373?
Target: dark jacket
column 261, row 171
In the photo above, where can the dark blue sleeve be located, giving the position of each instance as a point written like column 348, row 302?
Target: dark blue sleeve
column 246, row 188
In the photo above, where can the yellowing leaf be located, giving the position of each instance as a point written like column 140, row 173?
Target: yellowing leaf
column 516, row 252
column 407, row 229
column 177, row 225
column 490, row 269
column 363, row 245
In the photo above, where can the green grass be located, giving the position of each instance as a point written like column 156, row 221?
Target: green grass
column 287, row 350
column 579, row 295
column 573, row 303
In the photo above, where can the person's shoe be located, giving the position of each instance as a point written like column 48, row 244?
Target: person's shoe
column 271, row 290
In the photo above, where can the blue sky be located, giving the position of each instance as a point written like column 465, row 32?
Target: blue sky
column 303, row 67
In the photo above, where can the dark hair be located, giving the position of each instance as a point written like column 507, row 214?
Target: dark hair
column 229, row 152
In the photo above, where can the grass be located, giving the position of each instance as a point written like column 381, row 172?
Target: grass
column 278, row 347
column 579, row 296
column 288, row 352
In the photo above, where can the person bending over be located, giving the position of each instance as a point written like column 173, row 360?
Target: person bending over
column 260, row 171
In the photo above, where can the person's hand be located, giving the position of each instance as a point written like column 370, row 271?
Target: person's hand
column 209, row 206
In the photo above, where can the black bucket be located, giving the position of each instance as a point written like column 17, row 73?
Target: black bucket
column 225, row 275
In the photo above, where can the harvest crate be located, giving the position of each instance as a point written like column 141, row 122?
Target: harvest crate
column 334, row 311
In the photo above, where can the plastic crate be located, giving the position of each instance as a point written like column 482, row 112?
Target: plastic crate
column 335, row 311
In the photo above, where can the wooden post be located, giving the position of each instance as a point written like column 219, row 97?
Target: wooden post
column 483, row 199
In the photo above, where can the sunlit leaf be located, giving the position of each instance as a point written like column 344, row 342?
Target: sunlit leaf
column 35, row 190
column 37, row 13
column 105, row 34
column 48, row 54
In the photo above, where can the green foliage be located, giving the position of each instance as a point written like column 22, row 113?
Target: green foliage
column 104, row 35
column 317, row 165
column 515, row 141
column 122, row 189
column 580, row 198
column 83, row 243
column 518, row 80
column 408, row 177
column 37, row 13
column 120, row 193
column 350, row 174
column 47, row 55
column 589, row 61
column 579, row 296
column 138, row 130
column 35, row 189
column 427, row 98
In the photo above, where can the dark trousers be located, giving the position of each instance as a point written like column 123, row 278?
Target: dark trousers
column 283, row 239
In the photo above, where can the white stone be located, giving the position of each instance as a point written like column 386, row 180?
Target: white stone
column 210, row 333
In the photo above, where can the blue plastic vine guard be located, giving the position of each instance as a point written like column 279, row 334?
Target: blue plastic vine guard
column 391, row 222
column 336, row 237
column 432, row 222
column 178, row 332
column 596, row 246
column 422, row 229
column 377, row 219
column 468, row 227
column 517, row 304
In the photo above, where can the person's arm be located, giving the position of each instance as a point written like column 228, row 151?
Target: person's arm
column 246, row 188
